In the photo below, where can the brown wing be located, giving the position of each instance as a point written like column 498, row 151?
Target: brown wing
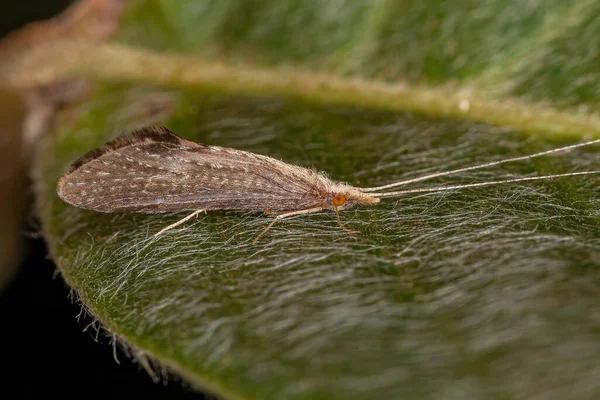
column 153, row 170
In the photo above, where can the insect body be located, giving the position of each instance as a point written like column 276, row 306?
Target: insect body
column 152, row 170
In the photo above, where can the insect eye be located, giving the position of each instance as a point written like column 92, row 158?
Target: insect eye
column 339, row 199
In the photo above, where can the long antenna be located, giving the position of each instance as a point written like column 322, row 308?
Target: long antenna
column 470, row 185
column 490, row 164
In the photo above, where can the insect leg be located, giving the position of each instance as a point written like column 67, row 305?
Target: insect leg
column 337, row 214
column 181, row 221
column 286, row 215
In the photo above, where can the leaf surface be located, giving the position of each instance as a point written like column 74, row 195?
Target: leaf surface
column 482, row 293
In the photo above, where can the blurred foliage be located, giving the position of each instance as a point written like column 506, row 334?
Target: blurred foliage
column 13, row 177
column 542, row 50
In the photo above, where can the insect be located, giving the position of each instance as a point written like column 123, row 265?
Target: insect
column 152, row 170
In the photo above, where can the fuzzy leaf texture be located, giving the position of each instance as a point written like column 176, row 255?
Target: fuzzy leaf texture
column 481, row 293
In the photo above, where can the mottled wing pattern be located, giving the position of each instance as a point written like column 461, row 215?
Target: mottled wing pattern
column 153, row 170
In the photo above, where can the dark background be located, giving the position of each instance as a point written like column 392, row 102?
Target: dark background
column 46, row 350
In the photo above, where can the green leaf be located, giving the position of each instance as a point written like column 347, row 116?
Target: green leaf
column 481, row 293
